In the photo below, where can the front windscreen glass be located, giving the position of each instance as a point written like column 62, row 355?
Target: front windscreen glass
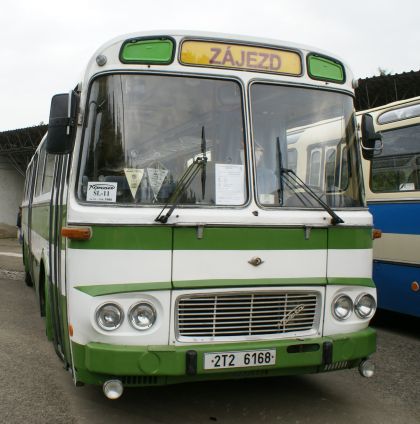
column 308, row 135
column 143, row 132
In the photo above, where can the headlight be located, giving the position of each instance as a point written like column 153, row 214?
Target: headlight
column 142, row 316
column 109, row 316
column 365, row 306
column 342, row 307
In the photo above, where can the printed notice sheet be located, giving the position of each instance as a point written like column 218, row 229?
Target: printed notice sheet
column 230, row 184
column 99, row 191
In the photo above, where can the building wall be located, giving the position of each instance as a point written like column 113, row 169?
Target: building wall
column 11, row 191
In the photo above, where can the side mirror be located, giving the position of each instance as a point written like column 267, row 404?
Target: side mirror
column 61, row 123
column 369, row 137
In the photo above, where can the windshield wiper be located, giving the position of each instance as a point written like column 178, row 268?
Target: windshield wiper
column 186, row 179
column 289, row 177
column 204, row 165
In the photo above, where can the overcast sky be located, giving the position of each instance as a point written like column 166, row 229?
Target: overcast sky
column 45, row 44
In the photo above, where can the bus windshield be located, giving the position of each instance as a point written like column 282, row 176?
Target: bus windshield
column 312, row 133
column 142, row 132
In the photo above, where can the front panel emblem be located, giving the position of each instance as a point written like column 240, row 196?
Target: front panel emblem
column 255, row 261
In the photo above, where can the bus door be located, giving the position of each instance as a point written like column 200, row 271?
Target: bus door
column 56, row 281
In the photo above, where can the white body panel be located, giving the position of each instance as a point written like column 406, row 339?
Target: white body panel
column 233, row 264
column 90, row 267
column 349, row 263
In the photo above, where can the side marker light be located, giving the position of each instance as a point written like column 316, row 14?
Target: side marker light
column 77, row 233
column 376, row 234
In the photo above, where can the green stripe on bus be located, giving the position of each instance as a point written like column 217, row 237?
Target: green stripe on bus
column 113, row 237
column 343, row 281
column 104, row 289
column 213, row 238
column 280, row 282
column 126, row 238
column 249, row 238
column 350, row 238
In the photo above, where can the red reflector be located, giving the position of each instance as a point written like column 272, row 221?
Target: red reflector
column 77, row 233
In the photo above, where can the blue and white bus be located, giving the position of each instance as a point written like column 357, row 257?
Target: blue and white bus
column 392, row 184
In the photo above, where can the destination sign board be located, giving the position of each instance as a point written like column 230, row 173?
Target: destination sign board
column 239, row 56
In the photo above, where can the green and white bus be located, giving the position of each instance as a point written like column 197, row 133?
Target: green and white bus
column 173, row 234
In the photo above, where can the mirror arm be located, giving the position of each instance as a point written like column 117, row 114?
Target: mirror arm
column 374, row 149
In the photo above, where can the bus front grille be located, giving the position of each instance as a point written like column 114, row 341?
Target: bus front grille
column 245, row 314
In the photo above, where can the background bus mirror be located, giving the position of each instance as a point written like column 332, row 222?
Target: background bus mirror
column 62, row 117
column 369, row 137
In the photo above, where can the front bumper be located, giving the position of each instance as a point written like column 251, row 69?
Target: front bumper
column 95, row 363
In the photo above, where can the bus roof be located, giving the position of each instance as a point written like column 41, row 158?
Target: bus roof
column 217, row 36
column 111, row 51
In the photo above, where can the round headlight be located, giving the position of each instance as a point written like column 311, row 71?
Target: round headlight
column 342, row 307
column 109, row 316
column 365, row 306
column 142, row 316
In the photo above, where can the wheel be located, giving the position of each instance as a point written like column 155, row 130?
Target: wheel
column 28, row 279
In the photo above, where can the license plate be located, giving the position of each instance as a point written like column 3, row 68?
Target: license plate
column 241, row 359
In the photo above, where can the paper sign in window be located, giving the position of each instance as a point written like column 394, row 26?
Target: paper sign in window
column 156, row 177
column 134, row 177
column 101, row 192
column 230, row 187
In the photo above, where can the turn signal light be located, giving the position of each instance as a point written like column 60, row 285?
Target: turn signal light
column 376, row 234
column 77, row 233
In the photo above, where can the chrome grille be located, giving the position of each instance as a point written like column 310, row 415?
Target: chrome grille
column 246, row 314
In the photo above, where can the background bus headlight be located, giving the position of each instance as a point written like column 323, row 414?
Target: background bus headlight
column 342, row 307
column 142, row 316
column 365, row 306
column 109, row 316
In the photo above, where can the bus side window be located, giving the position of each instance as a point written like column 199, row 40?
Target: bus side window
column 48, row 173
column 292, row 159
column 25, row 190
column 40, row 173
column 330, row 169
column 344, row 174
column 315, row 168
column 416, row 173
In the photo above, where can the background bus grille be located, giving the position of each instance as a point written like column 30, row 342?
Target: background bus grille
column 246, row 314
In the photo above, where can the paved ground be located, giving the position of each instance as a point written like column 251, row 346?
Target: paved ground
column 36, row 389
column 10, row 255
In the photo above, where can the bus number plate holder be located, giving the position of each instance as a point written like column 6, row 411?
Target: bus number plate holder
column 240, row 359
